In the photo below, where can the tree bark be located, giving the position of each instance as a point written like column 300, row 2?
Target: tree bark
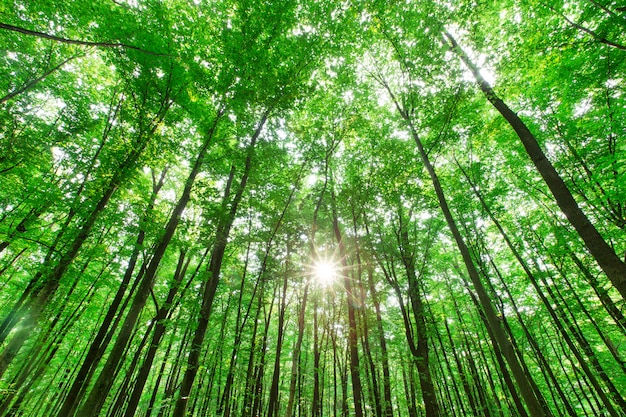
column 605, row 256
column 94, row 402
column 159, row 332
column 273, row 396
column 420, row 350
column 96, row 348
column 352, row 330
column 213, row 276
column 500, row 338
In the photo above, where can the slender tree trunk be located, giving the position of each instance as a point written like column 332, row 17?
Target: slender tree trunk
column 122, row 391
column 224, row 406
column 365, row 336
column 421, row 350
column 611, row 264
column 548, row 305
column 603, row 294
column 44, row 285
column 273, row 397
column 34, row 33
column 42, row 295
column 45, row 277
column 295, row 357
column 173, row 376
column 157, row 383
column 501, row 339
column 213, row 275
column 43, row 353
column 159, row 331
column 352, row 330
column 543, row 361
column 477, row 382
column 387, row 401
column 455, row 388
column 409, row 391
column 96, row 348
column 93, row 404
column 344, row 387
column 259, row 371
column 315, row 401
column 572, row 326
column 372, row 378
column 248, row 400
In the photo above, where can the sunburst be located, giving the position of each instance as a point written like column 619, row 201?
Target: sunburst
column 325, row 272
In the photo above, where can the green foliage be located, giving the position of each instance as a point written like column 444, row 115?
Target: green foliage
column 106, row 108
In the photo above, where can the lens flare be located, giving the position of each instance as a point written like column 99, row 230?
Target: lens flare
column 325, row 272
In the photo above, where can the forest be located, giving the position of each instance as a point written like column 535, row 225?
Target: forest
column 290, row 208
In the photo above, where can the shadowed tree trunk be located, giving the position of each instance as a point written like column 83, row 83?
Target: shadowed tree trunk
column 213, row 276
column 94, row 402
column 499, row 334
column 352, row 299
column 611, row 264
column 159, row 331
column 273, row 396
column 96, row 349
column 420, row 351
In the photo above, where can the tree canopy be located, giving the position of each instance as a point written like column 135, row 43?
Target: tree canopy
column 312, row 208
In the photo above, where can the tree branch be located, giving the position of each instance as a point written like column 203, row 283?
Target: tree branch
column 593, row 34
column 33, row 82
column 77, row 42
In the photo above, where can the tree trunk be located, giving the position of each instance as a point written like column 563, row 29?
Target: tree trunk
column 610, row 263
column 352, row 330
column 159, row 330
column 98, row 394
column 273, row 397
column 387, row 402
column 295, row 357
column 213, row 275
column 224, row 406
column 96, row 348
column 315, row 401
column 420, row 351
column 500, row 336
